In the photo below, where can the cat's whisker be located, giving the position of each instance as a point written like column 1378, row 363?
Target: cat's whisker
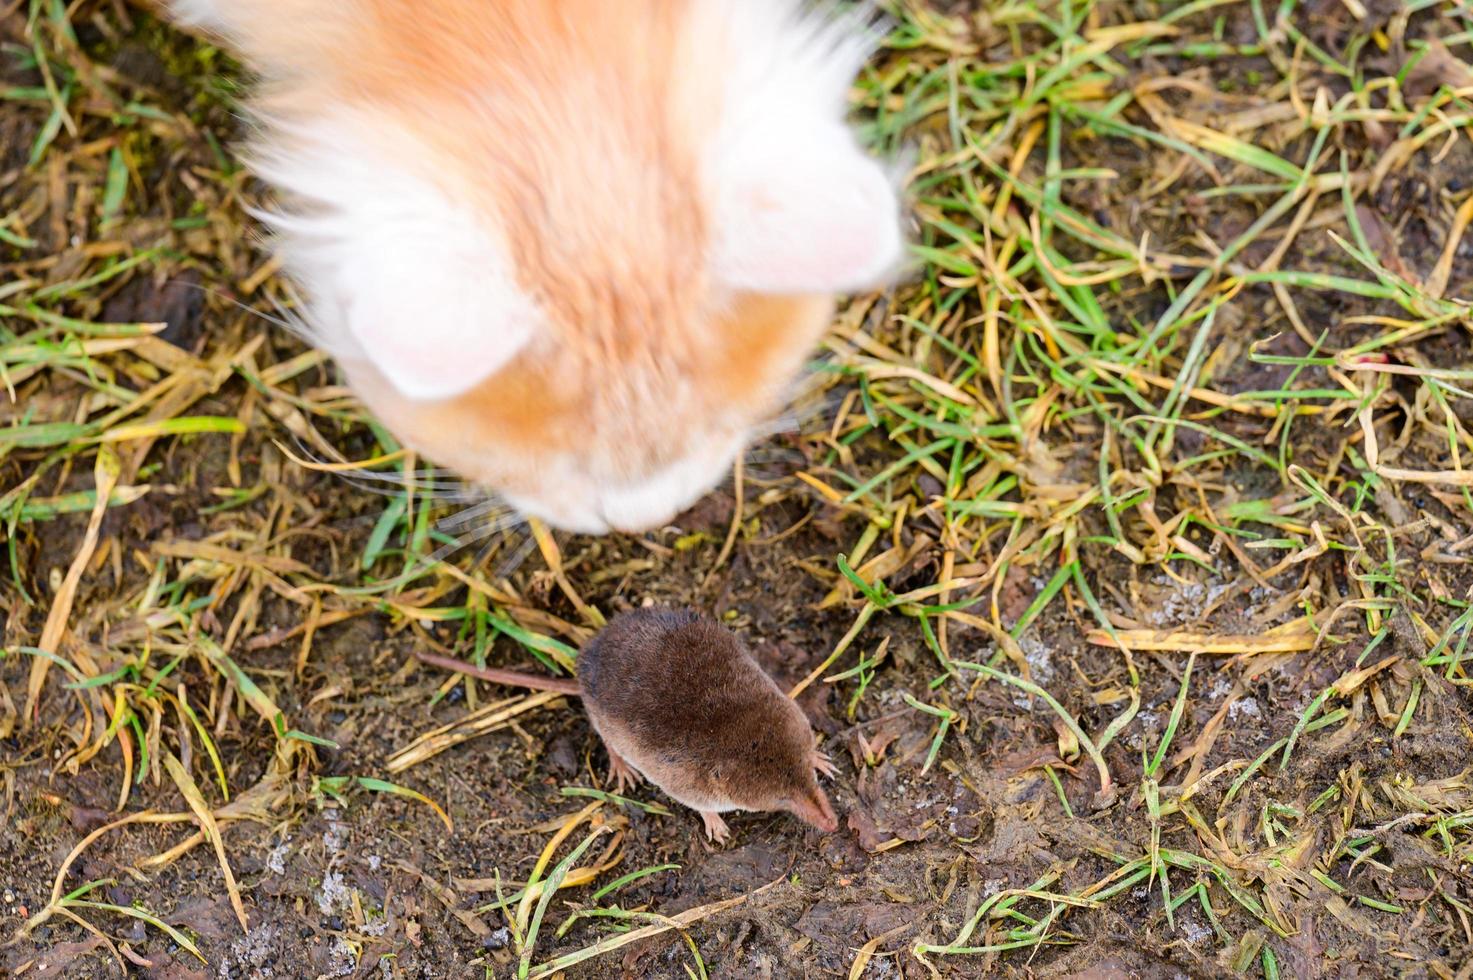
column 798, row 417
column 512, row 562
column 771, row 464
column 486, row 549
column 295, row 320
column 220, row 294
column 818, row 402
column 389, row 485
column 417, row 480
column 437, row 485
column 494, row 508
column 444, row 496
column 427, row 482
column 782, row 425
column 491, row 528
column 760, row 455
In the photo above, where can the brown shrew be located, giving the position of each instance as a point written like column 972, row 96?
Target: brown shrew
column 679, row 700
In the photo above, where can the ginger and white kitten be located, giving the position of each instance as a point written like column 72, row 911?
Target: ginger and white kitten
column 574, row 250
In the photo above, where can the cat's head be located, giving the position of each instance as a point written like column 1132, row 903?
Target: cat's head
column 576, row 251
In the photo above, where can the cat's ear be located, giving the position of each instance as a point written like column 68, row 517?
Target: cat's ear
column 400, row 274
column 433, row 309
column 802, row 209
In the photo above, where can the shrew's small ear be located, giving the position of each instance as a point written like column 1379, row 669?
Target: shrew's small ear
column 802, row 209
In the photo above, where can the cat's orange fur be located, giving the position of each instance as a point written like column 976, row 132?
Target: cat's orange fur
column 647, row 300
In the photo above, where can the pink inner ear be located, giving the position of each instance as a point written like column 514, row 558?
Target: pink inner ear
column 821, row 220
column 430, row 302
column 442, row 335
column 417, row 369
column 432, row 362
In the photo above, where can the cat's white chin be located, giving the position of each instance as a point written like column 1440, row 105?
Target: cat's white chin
column 646, row 504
